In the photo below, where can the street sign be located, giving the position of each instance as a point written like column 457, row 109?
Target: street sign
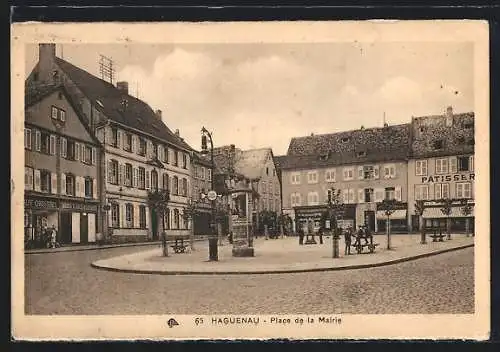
column 212, row 195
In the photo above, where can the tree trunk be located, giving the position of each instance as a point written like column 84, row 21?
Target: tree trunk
column 282, row 231
column 265, row 232
column 388, row 229
column 163, row 235
column 422, row 230
column 448, row 228
column 191, row 234
column 467, row 226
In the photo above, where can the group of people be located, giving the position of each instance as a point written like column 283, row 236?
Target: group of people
column 362, row 233
column 45, row 237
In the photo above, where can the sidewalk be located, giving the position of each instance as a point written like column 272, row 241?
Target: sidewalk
column 89, row 247
column 281, row 256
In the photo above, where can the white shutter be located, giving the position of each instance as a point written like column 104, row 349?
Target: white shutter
column 110, row 218
column 52, row 145
column 77, row 186
column 37, row 180
column 158, row 152
column 376, row 170
column 63, row 183
column 147, row 180
column 437, row 191
column 64, row 147
column 77, row 151
column 94, row 188
column 136, row 215
column 123, row 215
column 38, row 141
column 471, row 163
column 134, row 177
column 53, row 185
column 93, row 156
column 150, row 150
column 352, row 196
column 134, row 143
column 119, row 140
column 379, row 194
column 398, row 193
column 361, row 195
column 82, row 186
column 121, row 174
column 453, row 164
column 360, row 173
column 147, row 217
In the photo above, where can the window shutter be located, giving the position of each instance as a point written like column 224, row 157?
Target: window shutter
column 134, row 143
column 398, row 194
column 360, row 172
column 376, row 170
column 93, row 151
column 471, row 163
column 345, row 196
column 77, row 186
column 361, row 195
column 82, row 186
column 437, row 191
column 52, row 145
column 147, row 217
column 77, row 151
column 119, row 139
column 38, row 141
column 37, row 180
column 110, row 171
column 63, row 183
column 158, row 153
column 64, row 147
column 123, row 215
column 94, row 188
column 121, row 174
column 453, row 164
column 134, row 177
column 147, row 180
column 53, row 185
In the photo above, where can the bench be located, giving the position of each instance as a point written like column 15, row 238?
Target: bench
column 179, row 246
column 371, row 247
column 435, row 237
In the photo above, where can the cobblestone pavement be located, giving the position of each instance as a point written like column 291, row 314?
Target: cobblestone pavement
column 65, row 283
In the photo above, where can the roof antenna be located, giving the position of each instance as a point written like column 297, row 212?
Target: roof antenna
column 385, row 123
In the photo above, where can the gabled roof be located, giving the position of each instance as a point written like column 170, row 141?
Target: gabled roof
column 379, row 144
column 201, row 159
column 108, row 99
column 251, row 162
column 279, row 160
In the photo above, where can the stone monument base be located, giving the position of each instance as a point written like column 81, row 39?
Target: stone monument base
column 243, row 252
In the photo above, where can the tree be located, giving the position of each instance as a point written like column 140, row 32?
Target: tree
column 389, row 207
column 267, row 219
column 419, row 210
column 466, row 209
column 158, row 201
column 335, row 207
column 189, row 213
column 446, row 206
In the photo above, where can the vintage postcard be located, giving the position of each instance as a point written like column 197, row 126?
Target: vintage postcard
column 302, row 180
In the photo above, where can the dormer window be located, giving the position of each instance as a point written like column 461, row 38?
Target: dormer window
column 361, row 154
column 124, row 104
column 324, row 156
column 437, row 145
column 468, row 125
column 344, row 139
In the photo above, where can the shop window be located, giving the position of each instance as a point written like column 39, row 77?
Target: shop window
column 113, row 172
column 45, row 181
column 154, row 180
column 390, row 193
column 142, row 216
column 463, row 163
column 175, row 185
column 70, row 185
column 89, row 184
column 115, row 215
column 128, row 175
column 142, row 177
column 129, row 215
column 27, row 138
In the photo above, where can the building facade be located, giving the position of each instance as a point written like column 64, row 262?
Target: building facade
column 141, row 153
column 366, row 165
column 201, row 184
column 441, row 166
column 62, row 168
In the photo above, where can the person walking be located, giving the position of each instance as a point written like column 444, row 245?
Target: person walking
column 320, row 234
column 347, row 240
column 53, row 237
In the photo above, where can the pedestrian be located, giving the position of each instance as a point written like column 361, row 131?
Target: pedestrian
column 347, row 240
column 53, row 237
column 320, row 233
column 301, row 236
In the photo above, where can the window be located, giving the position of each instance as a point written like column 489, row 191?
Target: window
column 361, row 154
column 348, row 173
column 330, row 175
column 464, row 163
column 441, row 166
column 70, row 185
column 142, row 216
column 437, row 145
column 295, row 178
column 267, row 171
column 127, row 142
column 28, row 178
column 176, row 218
column 89, row 183
column 58, row 114
column 71, row 150
column 464, row 190
column 389, row 171
column 142, row 178
column 421, row 167
column 27, row 138
column 176, row 158
column 45, row 181
column 167, row 157
column 368, row 195
column 45, row 143
column 390, row 193
column 295, row 199
column 114, row 137
column 166, row 182
column 175, row 185
column 421, row 192
column 312, row 177
column 202, row 173
column 128, row 175
column 52, row 144
column 344, row 139
column 142, row 147
column 184, row 160
column 64, row 147
column 368, row 173
column 167, row 219
column 113, row 172
column 129, row 215
column 38, row 140
column 441, row 191
column 264, row 187
column 274, row 172
column 184, row 187
column 154, row 180
column 209, row 175
column 270, row 187
column 87, row 154
column 115, row 215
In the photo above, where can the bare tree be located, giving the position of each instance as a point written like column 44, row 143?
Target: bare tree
column 446, row 206
column 419, row 210
column 158, row 201
column 389, row 207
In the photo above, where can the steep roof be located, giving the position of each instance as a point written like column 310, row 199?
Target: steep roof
column 108, row 99
column 250, row 162
column 379, row 144
column 455, row 136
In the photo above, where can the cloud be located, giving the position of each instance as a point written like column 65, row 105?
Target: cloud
column 183, row 65
column 399, row 90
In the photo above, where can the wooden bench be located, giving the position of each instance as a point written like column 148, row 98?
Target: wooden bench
column 179, row 246
column 437, row 237
column 371, row 247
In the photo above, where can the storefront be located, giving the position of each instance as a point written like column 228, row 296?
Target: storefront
column 39, row 213
column 398, row 219
column 435, row 218
column 345, row 218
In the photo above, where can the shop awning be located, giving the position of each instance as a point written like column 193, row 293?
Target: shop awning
column 398, row 214
column 433, row 213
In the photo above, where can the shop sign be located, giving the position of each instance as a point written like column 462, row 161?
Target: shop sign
column 397, row 206
column 40, row 203
column 79, row 206
column 448, row 178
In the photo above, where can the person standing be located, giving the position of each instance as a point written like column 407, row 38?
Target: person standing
column 347, row 240
column 53, row 237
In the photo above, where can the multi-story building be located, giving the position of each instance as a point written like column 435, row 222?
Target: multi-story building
column 201, row 181
column 366, row 165
column 62, row 168
column 441, row 165
column 141, row 153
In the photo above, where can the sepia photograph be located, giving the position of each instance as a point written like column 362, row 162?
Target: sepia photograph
column 251, row 180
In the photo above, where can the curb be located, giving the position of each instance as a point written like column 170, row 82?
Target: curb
column 97, row 247
column 282, row 271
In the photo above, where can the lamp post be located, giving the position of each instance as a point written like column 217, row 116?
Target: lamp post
column 212, row 240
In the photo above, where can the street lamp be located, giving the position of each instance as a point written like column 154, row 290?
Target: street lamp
column 212, row 195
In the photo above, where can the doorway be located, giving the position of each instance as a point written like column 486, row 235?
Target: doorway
column 370, row 220
column 65, row 230
column 154, row 225
column 84, row 228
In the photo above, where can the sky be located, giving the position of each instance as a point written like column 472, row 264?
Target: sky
column 261, row 95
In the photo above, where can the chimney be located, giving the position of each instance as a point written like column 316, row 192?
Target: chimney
column 46, row 56
column 158, row 114
column 177, row 132
column 449, row 116
column 122, row 86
